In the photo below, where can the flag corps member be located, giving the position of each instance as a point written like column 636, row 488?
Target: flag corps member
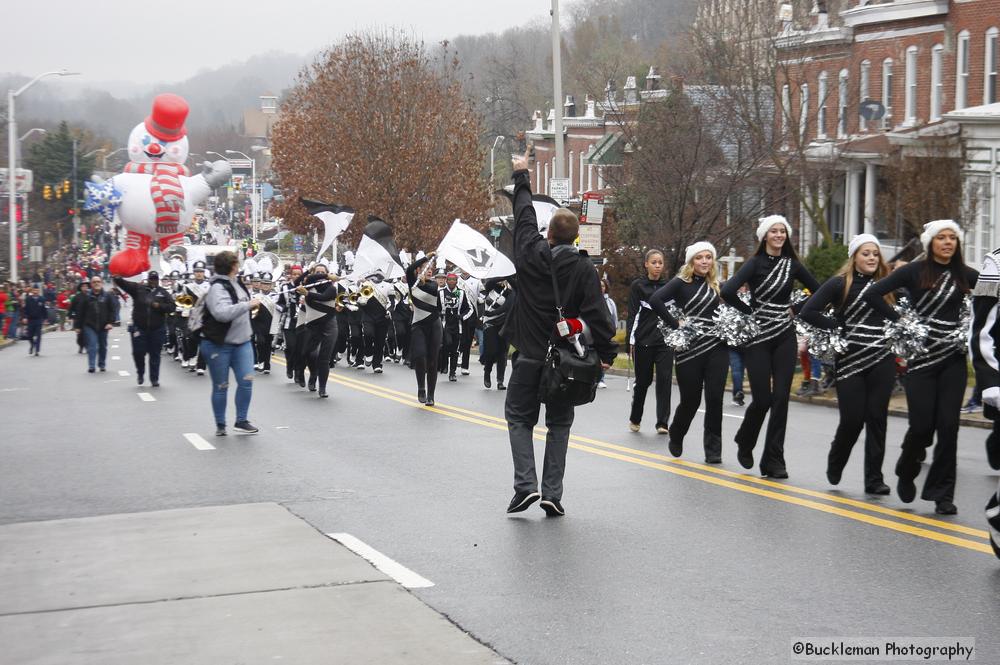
column 426, row 328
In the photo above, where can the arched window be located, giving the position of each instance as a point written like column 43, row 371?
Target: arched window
column 990, row 65
column 910, row 99
column 937, row 86
column 887, row 92
column 864, row 89
column 821, row 92
column 843, row 113
column 803, row 112
column 962, row 70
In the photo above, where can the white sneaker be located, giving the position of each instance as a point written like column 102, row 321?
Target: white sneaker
column 465, row 372
column 602, row 385
column 201, row 372
column 378, row 370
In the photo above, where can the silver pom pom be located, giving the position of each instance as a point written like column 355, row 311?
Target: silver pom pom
column 680, row 339
column 959, row 337
column 906, row 337
column 734, row 327
column 824, row 344
column 798, row 296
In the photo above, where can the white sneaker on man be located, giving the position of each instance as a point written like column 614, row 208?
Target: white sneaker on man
column 602, row 385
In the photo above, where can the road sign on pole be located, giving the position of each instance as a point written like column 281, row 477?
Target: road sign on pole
column 593, row 209
column 590, row 238
column 23, row 184
column 559, row 189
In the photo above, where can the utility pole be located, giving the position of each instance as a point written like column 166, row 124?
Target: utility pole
column 76, row 217
column 557, row 91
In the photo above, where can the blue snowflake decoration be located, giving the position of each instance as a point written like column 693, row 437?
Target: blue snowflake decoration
column 103, row 198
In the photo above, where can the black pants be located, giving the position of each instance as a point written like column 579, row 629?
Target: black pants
column 425, row 344
column 449, row 351
column 465, row 345
column 356, row 344
column 705, row 372
column 262, row 340
column 648, row 358
column 148, row 343
column 401, row 336
column 291, row 336
column 933, row 399
column 521, row 409
column 375, row 333
column 192, row 348
column 320, row 338
column 771, row 365
column 501, row 362
column 863, row 401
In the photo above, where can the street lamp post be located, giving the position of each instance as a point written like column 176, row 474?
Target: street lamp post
column 229, row 197
column 253, row 190
column 560, row 165
column 12, row 162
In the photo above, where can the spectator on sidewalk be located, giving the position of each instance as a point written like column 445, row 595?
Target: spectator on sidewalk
column 96, row 315
column 34, row 315
column 4, row 297
column 63, row 301
column 150, row 304
column 14, row 312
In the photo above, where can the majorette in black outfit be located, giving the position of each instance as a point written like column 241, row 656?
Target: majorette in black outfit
column 319, row 334
column 984, row 342
column 866, row 370
column 646, row 346
column 770, row 357
column 425, row 333
column 935, row 380
column 705, row 363
column 497, row 299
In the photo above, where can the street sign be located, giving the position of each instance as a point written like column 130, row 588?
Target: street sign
column 593, row 209
column 590, row 238
column 23, row 184
column 238, row 180
column 240, row 164
column 298, row 243
column 559, row 189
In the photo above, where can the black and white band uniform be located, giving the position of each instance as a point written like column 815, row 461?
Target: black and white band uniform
column 425, row 330
column 866, row 370
column 770, row 357
column 497, row 299
column 649, row 352
column 704, row 365
column 288, row 306
column 935, row 380
column 319, row 334
column 983, row 340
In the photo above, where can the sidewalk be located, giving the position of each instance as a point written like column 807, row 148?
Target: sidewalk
column 897, row 404
column 235, row 584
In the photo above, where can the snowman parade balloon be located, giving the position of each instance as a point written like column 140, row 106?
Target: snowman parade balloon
column 158, row 193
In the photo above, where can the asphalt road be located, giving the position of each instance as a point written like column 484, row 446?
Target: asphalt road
column 657, row 561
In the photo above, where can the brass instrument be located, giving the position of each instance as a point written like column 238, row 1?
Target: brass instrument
column 367, row 291
column 353, row 298
column 184, row 300
column 341, row 300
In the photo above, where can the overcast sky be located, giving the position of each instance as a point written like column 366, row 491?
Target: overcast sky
column 151, row 42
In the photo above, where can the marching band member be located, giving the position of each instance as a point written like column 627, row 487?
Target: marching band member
column 704, row 365
column 426, row 330
column 375, row 320
column 983, row 341
column 473, row 328
column 457, row 319
column 646, row 346
column 401, row 315
column 319, row 292
column 935, row 380
column 770, row 357
column 288, row 305
column 356, row 337
column 263, row 322
column 197, row 288
column 498, row 298
column 866, row 370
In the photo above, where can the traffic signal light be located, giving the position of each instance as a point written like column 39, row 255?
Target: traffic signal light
column 237, row 185
column 71, row 211
column 47, row 192
column 59, row 192
column 65, row 186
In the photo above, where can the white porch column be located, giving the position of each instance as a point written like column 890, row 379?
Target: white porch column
column 538, row 177
column 870, row 196
column 583, row 170
column 821, row 200
column 590, row 177
column 545, row 184
column 569, row 166
column 806, row 225
column 600, row 178
column 852, row 223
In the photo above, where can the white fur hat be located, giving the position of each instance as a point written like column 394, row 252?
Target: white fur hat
column 698, row 248
column 765, row 223
column 861, row 239
column 931, row 229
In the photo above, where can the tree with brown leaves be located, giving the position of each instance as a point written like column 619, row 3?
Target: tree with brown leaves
column 379, row 124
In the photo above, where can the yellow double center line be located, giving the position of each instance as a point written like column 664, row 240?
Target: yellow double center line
column 900, row 521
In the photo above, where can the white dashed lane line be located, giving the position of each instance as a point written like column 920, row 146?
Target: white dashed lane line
column 198, row 441
column 122, row 372
column 116, row 357
column 146, row 397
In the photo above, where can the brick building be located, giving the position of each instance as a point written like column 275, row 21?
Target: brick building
column 931, row 69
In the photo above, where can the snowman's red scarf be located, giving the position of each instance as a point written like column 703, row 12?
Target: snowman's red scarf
column 166, row 183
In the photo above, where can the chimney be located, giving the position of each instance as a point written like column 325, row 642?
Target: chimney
column 822, row 17
column 569, row 108
column 537, row 118
column 591, row 108
column 552, row 120
column 653, row 79
column 609, row 91
column 631, row 91
column 677, row 82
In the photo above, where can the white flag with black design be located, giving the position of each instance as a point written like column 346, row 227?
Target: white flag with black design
column 472, row 252
column 336, row 218
column 545, row 207
column 377, row 253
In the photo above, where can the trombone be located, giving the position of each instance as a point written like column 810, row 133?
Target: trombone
column 184, row 300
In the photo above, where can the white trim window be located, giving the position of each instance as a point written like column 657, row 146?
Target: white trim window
column 910, row 99
column 821, row 93
column 803, row 112
column 843, row 113
column 962, row 70
column 937, row 85
column 990, row 66
column 786, row 110
column 864, row 90
column 887, row 93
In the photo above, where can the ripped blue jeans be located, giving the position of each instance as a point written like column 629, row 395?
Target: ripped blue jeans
column 220, row 358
